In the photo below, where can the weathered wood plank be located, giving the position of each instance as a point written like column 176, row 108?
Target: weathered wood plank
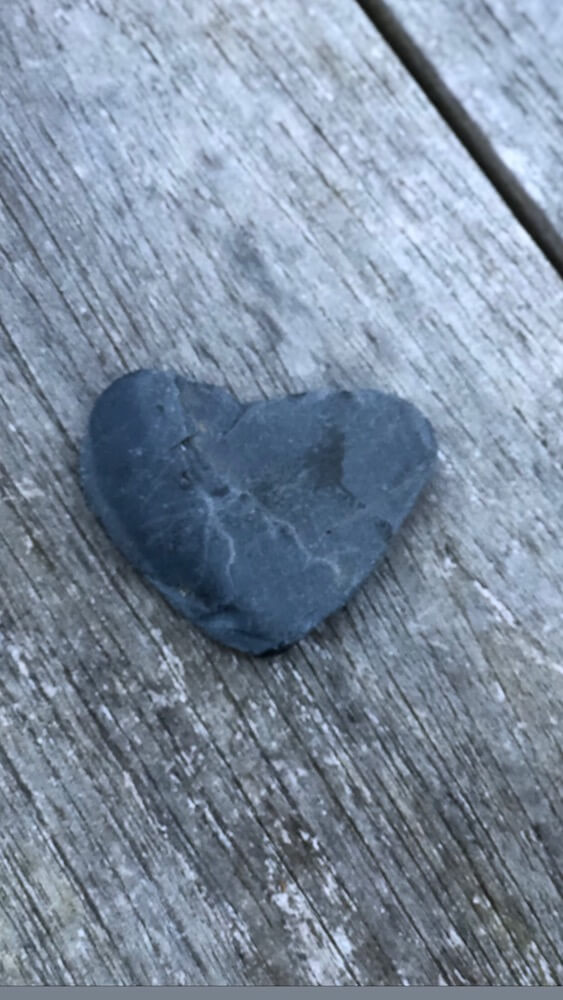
column 503, row 60
column 259, row 195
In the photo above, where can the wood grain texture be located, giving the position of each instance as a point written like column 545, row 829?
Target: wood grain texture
column 503, row 60
column 259, row 196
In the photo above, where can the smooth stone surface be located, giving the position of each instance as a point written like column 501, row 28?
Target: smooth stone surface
column 257, row 520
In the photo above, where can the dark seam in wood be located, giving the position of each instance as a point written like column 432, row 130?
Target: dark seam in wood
column 529, row 214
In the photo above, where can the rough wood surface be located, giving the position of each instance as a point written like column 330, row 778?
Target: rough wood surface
column 259, row 195
column 503, row 60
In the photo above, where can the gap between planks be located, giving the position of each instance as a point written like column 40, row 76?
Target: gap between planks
column 530, row 215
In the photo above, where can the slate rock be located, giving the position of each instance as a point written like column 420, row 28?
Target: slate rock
column 256, row 520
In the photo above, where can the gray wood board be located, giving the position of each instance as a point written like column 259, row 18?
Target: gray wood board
column 503, row 60
column 259, row 195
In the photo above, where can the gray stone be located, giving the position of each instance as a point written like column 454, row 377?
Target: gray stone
column 257, row 520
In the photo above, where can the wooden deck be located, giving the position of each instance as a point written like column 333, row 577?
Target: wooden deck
column 500, row 62
column 263, row 196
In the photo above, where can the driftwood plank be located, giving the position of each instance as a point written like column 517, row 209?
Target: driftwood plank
column 503, row 61
column 260, row 196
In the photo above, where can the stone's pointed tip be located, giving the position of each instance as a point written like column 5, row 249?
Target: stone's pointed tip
column 254, row 521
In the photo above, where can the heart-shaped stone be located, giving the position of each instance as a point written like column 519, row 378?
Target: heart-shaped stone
column 256, row 520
